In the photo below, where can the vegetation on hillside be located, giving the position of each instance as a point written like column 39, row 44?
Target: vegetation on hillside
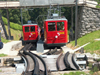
column 16, row 30
column 76, row 73
column 15, row 33
column 4, row 40
column 33, row 14
column 98, row 1
column 12, row 25
column 93, row 46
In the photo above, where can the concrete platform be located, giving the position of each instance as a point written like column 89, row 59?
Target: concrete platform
column 11, row 48
column 8, row 71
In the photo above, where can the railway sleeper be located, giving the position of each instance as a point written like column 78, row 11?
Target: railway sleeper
column 36, row 65
column 44, row 63
column 54, row 51
column 80, row 61
column 71, row 61
column 61, row 62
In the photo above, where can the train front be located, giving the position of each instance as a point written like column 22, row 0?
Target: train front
column 55, row 32
column 30, row 33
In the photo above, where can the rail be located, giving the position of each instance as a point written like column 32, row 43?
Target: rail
column 53, row 51
column 36, row 70
column 36, row 67
column 67, row 61
column 45, row 72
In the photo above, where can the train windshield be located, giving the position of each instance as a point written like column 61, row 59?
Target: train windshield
column 26, row 29
column 32, row 28
column 51, row 26
column 60, row 26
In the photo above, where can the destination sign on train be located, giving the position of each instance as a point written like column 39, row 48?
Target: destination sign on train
column 53, row 23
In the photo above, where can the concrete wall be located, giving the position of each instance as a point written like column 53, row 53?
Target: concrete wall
column 88, row 20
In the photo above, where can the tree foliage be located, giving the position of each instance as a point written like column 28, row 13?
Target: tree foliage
column 34, row 14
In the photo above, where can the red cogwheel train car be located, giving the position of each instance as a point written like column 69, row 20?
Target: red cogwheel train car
column 30, row 33
column 55, row 32
column 53, row 35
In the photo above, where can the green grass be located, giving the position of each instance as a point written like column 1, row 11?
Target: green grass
column 0, row 70
column 76, row 73
column 16, row 30
column 93, row 46
column 97, row 6
column 14, row 26
column 15, row 33
column 2, row 55
column 4, row 40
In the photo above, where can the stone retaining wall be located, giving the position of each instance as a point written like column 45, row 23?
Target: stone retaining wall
column 88, row 20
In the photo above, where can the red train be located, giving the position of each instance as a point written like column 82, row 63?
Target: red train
column 30, row 33
column 55, row 32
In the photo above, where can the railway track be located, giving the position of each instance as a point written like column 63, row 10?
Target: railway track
column 53, row 51
column 53, row 60
column 33, row 62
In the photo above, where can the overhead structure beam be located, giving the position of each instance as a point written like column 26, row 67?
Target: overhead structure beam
column 45, row 2
column 38, row 3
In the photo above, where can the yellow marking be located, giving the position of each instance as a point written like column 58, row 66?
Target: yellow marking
column 33, row 33
column 61, row 32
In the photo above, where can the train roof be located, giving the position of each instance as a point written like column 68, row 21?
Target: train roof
column 55, row 19
column 28, row 24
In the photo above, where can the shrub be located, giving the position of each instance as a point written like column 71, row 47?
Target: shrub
column 12, row 25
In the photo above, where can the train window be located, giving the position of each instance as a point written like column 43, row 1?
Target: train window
column 60, row 26
column 32, row 28
column 26, row 29
column 51, row 26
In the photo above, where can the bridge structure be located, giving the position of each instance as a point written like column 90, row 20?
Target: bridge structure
column 16, row 4
column 42, row 3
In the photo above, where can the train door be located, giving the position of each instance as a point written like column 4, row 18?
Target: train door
column 26, row 32
column 51, row 32
column 33, row 33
